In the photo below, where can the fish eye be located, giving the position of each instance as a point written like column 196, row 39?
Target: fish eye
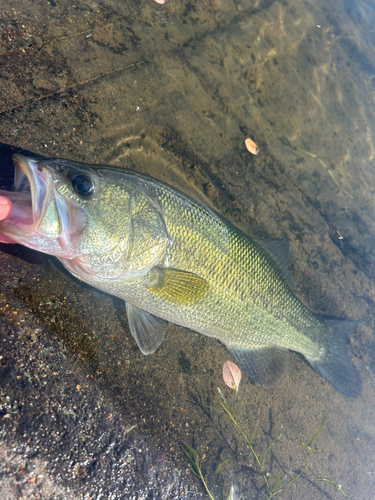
column 83, row 185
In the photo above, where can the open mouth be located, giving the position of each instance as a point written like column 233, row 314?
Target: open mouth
column 23, row 197
column 28, row 197
column 41, row 217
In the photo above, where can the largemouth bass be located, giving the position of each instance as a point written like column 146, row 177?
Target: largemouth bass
column 173, row 259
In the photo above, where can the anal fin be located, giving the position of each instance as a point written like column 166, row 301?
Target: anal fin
column 264, row 365
column 148, row 330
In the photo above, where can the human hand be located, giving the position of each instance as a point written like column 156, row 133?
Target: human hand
column 5, row 207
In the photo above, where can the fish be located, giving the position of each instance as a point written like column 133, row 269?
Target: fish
column 172, row 258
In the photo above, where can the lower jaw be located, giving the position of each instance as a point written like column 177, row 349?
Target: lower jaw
column 5, row 239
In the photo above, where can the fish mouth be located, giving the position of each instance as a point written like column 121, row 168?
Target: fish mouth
column 31, row 186
column 42, row 218
column 32, row 196
column 27, row 197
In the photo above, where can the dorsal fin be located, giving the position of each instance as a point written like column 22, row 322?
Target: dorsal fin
column 279, row 250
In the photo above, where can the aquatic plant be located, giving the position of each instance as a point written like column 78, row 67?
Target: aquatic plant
column 271, row 481
column 316, row 157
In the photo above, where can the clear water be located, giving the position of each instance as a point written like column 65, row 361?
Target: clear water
column 173, row 91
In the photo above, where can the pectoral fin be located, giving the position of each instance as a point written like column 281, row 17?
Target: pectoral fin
column 264, row 365
column 177, row 287
column 148, row 330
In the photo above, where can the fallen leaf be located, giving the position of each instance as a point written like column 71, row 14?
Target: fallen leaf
column 251, row 146
column 231, row 375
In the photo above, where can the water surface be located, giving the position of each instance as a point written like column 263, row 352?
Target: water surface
column 173, row 91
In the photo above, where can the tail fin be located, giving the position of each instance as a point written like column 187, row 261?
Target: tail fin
column 335, row 365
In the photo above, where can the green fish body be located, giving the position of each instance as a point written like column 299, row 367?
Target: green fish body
column 173, row 259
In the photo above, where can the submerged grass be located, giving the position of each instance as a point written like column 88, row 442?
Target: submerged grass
column 312, row 155
column 271, row 481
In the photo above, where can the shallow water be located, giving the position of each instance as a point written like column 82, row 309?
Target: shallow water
column 174, row 90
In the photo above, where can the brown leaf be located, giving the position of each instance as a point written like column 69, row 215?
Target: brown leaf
column 231, row 375
column 251, row 146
